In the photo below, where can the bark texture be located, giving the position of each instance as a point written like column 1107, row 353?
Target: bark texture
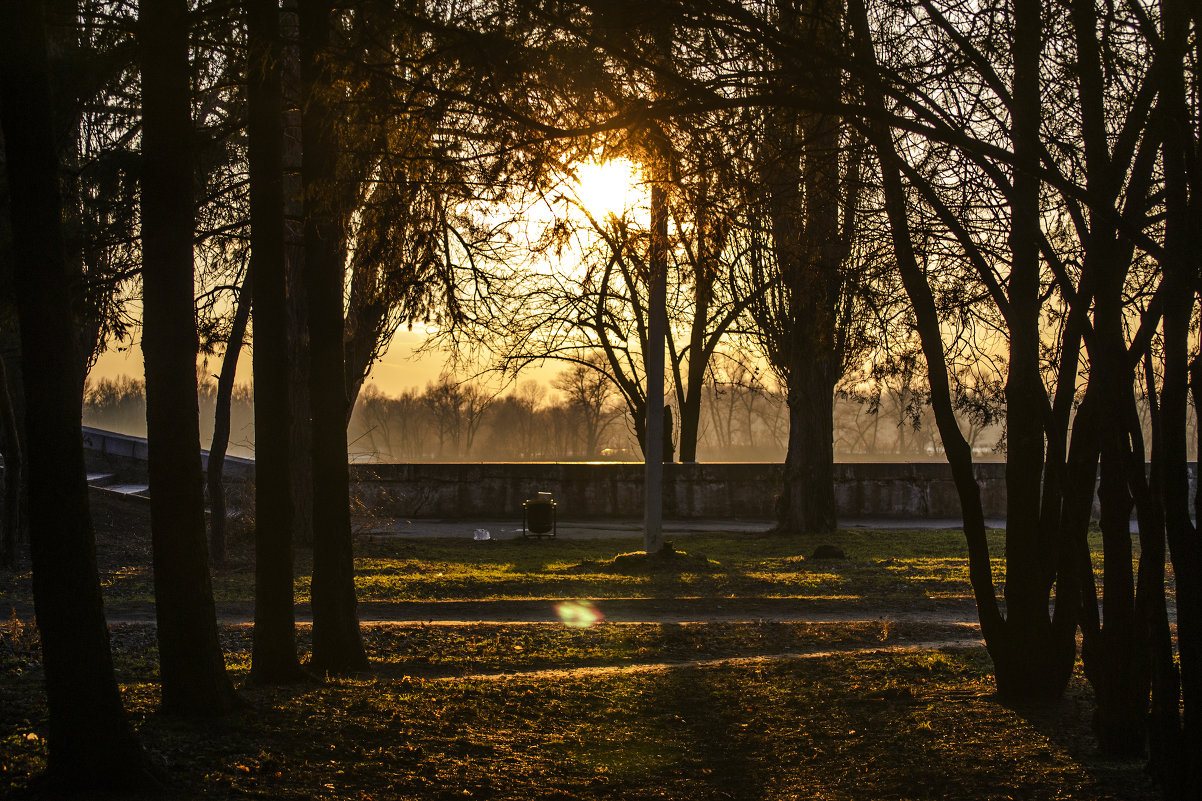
column 273, row 655
column 799, row 320
column 337, row 640
column 1033, row 652
column 91, row 744
column 14, row 472
column 192, row 668
column 215, row 470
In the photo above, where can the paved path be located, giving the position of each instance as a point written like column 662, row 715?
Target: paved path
column 631, row 529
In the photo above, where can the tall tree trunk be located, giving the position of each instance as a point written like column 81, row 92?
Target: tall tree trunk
column 300, row 431
column 215, row 471
column 1121, row 684
column 1032, row 655
column 653, row 369
column 1164, row 721
column 1176, row 736
column 786, row 213
column 1031, row 560
column 337, row 641
column 273, row 656
column 90, row 741
column 822, row 280
column 806, row 229
column 689, row 396
column 1026, row 598
column 807, row 502
column 66, row 65
column 14, row 471
column 192, row 668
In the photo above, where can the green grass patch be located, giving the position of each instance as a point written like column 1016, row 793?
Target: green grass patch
column 884, row 567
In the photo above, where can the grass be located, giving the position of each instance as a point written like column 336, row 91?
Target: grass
column 889, row 567
column 746, row 709
column 612, row 712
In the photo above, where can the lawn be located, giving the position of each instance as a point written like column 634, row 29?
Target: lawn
column 753, row 706
column 611, row 712
column 883, row 568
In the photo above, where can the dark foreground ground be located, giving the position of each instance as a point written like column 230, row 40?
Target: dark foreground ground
column 615, row 711
column 885, row 694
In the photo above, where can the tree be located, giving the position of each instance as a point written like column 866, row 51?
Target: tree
column 1050, row 480
column 604, row 303
column 1032, row 655
column 396, row 182
column 214, row 471
column 92, row 233
column 588, row 393
column 222, row 241
column 1121, row 180
column 14, row 470
column 444, row 402
column 596, row 315
column 525, row 435
column 808, row 309
column 91, row 744
column 273, row 658
column 394, row 265
column 476, row 403
column 653, row 369
column 1174, row 727
column 337, row 641
column 394, row 428
column 192, row 667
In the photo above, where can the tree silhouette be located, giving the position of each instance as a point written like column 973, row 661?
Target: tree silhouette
column 90, row 742
column 337, row 641
column 273, row 658
column 192, row 668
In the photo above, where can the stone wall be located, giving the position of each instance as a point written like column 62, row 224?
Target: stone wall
column 598, row 490
column 125, row 456
column 897, row 490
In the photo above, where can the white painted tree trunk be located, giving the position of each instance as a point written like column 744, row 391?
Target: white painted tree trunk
column 653, row 363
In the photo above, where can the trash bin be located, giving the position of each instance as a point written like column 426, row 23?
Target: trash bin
column 538, row 516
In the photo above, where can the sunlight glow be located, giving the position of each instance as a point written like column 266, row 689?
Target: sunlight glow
column 608, row 188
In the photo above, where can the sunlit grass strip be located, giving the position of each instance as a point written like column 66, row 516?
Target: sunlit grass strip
column 890, row 566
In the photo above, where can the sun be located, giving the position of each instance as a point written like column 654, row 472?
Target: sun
column 611, row 187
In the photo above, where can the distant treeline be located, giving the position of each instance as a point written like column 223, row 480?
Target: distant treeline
column 532, row 422
column 559, row 421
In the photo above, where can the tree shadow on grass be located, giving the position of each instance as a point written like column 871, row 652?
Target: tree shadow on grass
column 920, row 725
column 1068, row 726
column 722, row 752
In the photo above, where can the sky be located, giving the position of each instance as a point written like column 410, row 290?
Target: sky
column 400, row 369
column 600, row 187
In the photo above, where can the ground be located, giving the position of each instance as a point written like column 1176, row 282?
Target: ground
column 764, row 675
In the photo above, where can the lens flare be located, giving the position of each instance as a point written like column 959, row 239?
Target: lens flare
column 578, row 614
